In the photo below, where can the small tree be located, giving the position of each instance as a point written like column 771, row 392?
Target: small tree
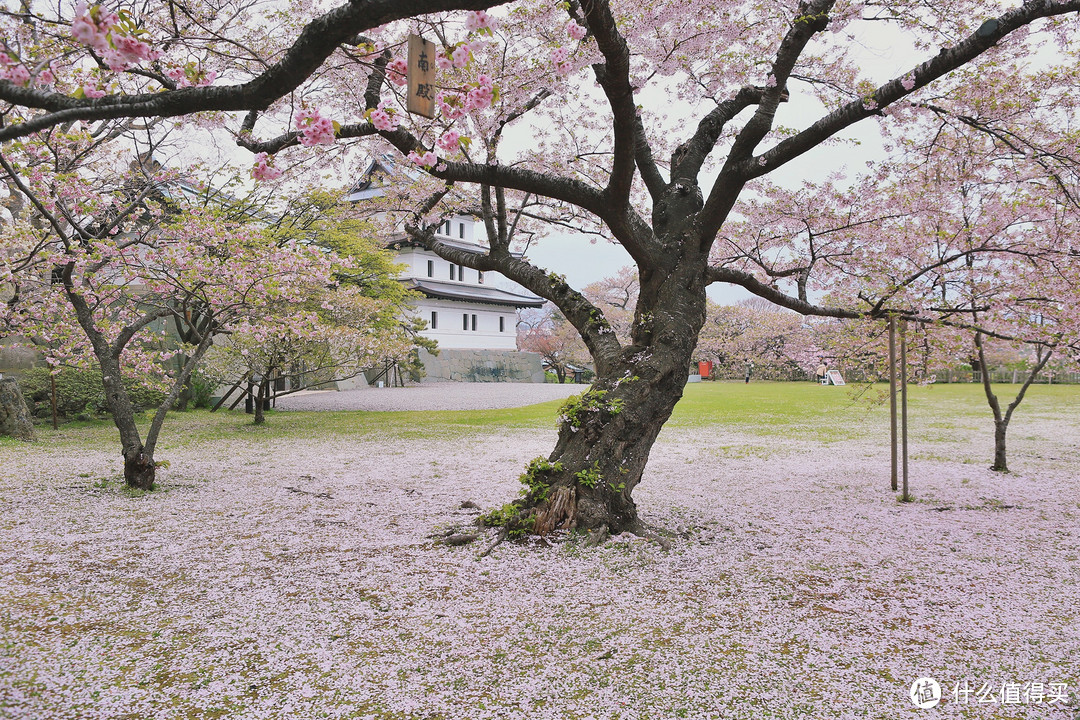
column 776, row 341
column 101, row 263
column 332, row 335
column 555, row 340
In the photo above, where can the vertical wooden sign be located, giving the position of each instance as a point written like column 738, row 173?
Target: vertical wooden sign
column 421, row 100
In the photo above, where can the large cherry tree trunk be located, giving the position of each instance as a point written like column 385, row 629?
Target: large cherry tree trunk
column 606, row 434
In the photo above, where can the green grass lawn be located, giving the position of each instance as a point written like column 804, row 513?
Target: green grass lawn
column 803, row 410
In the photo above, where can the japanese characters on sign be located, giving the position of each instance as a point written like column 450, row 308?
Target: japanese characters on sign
column 421, row 74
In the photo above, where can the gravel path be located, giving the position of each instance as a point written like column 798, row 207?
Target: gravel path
column 432, row 396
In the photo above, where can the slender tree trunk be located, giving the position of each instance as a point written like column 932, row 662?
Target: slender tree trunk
column 139, row 466
column 1000, row 463
column 260, row 416
column 1001, row 419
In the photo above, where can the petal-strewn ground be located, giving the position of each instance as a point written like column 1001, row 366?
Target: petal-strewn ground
column 293, row 576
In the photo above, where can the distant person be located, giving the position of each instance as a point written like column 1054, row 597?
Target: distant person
column 821, row 372
column 749, row 368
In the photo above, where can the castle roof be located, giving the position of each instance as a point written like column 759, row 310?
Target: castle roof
column 457, row 291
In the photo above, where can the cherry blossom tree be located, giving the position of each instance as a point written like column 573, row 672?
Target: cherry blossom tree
column 982, row 243
column 652, row 124
column 552, row 337
column 754, row 331
column 101, row 260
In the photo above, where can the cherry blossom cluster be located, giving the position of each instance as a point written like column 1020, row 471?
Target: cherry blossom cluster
column 100, row 30
column 264, row 168
column 478, row 20
column 423, row 159
column 397, row 70
column 314, row 129
column 450, row 141
column 191, row 76
column 560, row 55
column 12, row 70
column 382, row 118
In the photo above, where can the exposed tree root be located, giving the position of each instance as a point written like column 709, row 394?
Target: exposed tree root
column 503, row 532
column 644, row 531
column 598, row 537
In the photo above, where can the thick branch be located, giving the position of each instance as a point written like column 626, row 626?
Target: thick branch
column 316, row 42
column 770, row 293
column 949, row 59
column 614, row 77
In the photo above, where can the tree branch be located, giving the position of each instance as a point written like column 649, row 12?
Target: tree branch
column 315, row 43
column 949, row 59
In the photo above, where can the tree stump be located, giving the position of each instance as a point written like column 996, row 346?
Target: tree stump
column 14, row 415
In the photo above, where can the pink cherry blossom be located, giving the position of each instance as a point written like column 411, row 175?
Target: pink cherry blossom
column 449, row 141
column 264, row 168
column 451, row 105
column 382, row 120
column 18, row 74
column 461, row 56
column 575, row 31
column 427, row 159
column 397, row 71
column 479, row 20
column 314, row 129
column 560, row 58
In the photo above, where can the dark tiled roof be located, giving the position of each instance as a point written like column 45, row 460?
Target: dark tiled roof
column 490, row 295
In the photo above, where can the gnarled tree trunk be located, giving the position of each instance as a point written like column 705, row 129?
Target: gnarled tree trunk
column 606, row 434
column 14, row 415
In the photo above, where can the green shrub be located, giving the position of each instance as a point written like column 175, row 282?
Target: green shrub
column 79, row 393
column 202, row 389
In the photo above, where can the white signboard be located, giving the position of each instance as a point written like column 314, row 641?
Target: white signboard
column 835, row 377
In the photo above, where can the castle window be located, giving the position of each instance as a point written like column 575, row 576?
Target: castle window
column 434, row 320
column 465, row 321
column 431, row 268
column 474, row 323
column 502, row 324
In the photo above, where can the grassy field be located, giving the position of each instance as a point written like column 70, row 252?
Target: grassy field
column 805, row 409
column 290, row 570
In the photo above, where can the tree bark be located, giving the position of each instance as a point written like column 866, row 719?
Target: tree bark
column 139, row 469
column 260, row 395
column 607, row 433
column 1000, row 463
column 14, row 415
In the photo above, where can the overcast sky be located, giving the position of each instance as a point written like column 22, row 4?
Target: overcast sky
column 886, row 54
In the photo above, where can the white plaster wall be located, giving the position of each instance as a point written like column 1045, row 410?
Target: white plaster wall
column 449, row 333
column 416, row 262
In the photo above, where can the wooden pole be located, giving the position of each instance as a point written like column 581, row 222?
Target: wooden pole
column 52, row 383
column 892, row 397
column 903, row 407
